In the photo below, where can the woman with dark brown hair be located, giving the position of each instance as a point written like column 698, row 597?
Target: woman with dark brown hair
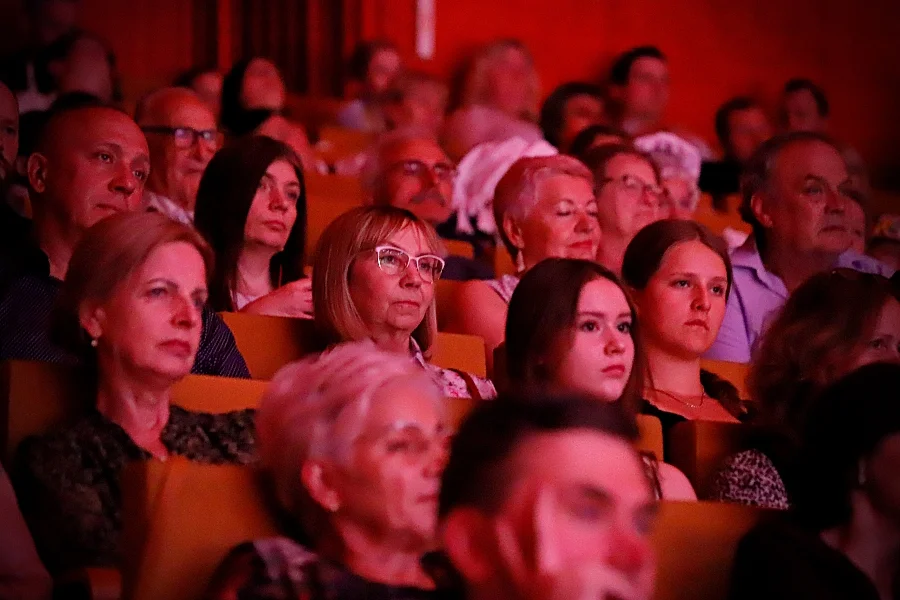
column 251, row 207
column 831, row 325
column 571, row 325
column 679, row 276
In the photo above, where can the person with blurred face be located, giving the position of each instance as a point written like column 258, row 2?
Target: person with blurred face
column 416, row 100
column 741, row 126
column 182, row 137
column 570, row 109
column 640, row 83
column 796, row 196
column 207, row 83
column 553, row 504
column 373, row 68
column 89, row 163
column 805, row 106
column 9, row 134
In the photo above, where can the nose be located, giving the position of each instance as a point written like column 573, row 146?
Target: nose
column 277, row 200
column 614, row 343
column 125, row 182
column 437, row 459
column 650, row 198
column 701, row 299
column 629, row 552
column 586, row 222
column 411, row 276
column 185, row 313
column 835, row 202
column 203, row 151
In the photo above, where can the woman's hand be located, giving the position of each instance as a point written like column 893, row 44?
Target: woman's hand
column 551, row 576
column 290, row 300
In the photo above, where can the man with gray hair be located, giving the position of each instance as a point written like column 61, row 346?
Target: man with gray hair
column 182, row 136
column 408, row 169
column 797, row 196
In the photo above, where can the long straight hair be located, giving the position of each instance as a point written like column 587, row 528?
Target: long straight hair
column 224, row 198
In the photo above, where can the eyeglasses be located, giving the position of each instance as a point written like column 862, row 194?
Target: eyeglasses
column 416, row 168
column 634, row 187
column 394, row 261
column 186, row 137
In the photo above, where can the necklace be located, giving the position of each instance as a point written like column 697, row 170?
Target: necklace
column 681, row 400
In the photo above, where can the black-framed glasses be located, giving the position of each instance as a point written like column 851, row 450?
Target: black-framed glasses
column 394, row 261
column 186, row 137
column 416, row 168
column 634, row 187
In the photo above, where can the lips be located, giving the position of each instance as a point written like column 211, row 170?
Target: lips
column 275, row 225
column 178, row 348
column 617, row 371
column 698, row 323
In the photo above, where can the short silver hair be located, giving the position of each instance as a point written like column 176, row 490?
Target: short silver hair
column 374, row 168
column 299, row 413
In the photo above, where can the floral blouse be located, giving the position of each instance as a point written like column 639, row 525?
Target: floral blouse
column 68, row 481
column 750, row 478
column 454, row 383
column 281, row 569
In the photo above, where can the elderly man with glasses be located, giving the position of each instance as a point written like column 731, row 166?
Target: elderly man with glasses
column 408, row 169
column 182, row 135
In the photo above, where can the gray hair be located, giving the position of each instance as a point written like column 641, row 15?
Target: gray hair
column 300, row 413
column 374, row 168
column 516, row 193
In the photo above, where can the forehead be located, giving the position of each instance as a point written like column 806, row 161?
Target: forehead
column 560, row 186
column 630, row 164
column 693, row 256
column 744, row 115
column 604, row 296
column 801, row 98
column 89, row 127
column 583, row 100
column 261, row 66
column 186, row 110
column 282, row 170
column 174, row 260
column 647, row 65
column 385, row 57
column 412, row 240
column 403, row 400
column 422, row 149
column 810, row 158
column 582, row 457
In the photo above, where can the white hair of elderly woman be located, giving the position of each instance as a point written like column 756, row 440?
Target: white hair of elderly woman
column 316, row 408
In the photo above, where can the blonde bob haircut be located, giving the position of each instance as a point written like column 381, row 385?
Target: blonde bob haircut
column 316, row 408
column 108, row 254
column 516, row 193
column 476, row 85
column 357, row 231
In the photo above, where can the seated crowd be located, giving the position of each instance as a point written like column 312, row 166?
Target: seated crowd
column 565, row 237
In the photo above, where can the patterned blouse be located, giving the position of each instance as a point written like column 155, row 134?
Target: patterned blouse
column 281, row 569
column 750, row 478
column 454, row 383
column 505, row 286
column 68, row 481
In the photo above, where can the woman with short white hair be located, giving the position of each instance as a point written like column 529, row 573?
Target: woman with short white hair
column 354, row 442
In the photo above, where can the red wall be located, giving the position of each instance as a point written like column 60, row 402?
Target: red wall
column 716, row 48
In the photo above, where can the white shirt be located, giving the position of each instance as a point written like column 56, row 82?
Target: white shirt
column 153, row 202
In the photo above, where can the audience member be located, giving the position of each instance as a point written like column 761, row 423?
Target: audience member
column 499, row 100
column 89, row 163
column 679, row 275
column 678, row 162
column 9, row 135
column 417, row 100
column 629, row 197
column 832, row 324
column 251, row 207
column 207, row 83
column 182, row 136
column 843, row 539
column 805, row 107
column 408, row 169
column 253, row 99
column 544, row 207
column 796, row 191
column 372, row 67
column 595, row 136
column 22, row 576
column 356, row 462
column 131, row 304
column 569, row 110
column 857, row 223
column 544, row 498
column 571, row 326
column 884, row 243
column 375, row 272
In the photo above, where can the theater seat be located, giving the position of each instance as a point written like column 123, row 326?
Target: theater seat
column 695, row 544
column 734, row 372
column 337, row 142
column 269, row 343
column 650, row 435
column 327, row 197
column 180, row 519
column 445, row 295
column 698, row 448
column 459, row 248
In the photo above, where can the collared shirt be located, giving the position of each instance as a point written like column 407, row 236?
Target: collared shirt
column 758, row 294
column 68, row 480
column 162, row 204
column 27, row 297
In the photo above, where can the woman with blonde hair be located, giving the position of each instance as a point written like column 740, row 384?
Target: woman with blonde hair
column 831, row 325
column 544, row 207
column 131, row 304
column 499, row 99
column 353, row 443
column 375, row 273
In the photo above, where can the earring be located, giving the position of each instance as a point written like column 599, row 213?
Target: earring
column 93, row 342
column 520, row 262
column 861, row 478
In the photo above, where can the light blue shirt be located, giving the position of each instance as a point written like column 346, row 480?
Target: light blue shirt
column 757, row 295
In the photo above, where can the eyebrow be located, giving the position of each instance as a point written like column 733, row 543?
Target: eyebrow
column 410, row 252
column 689, row 274
column 172, row 284
column 601, row 315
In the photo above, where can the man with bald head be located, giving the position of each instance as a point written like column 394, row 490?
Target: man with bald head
column 89, row 163
column 408, row 169
column 182, row 136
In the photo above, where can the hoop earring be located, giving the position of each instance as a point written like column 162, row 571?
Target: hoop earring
column 520, row 262
column 94, row 342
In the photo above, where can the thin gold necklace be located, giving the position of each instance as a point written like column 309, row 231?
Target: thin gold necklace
column 680, row 400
